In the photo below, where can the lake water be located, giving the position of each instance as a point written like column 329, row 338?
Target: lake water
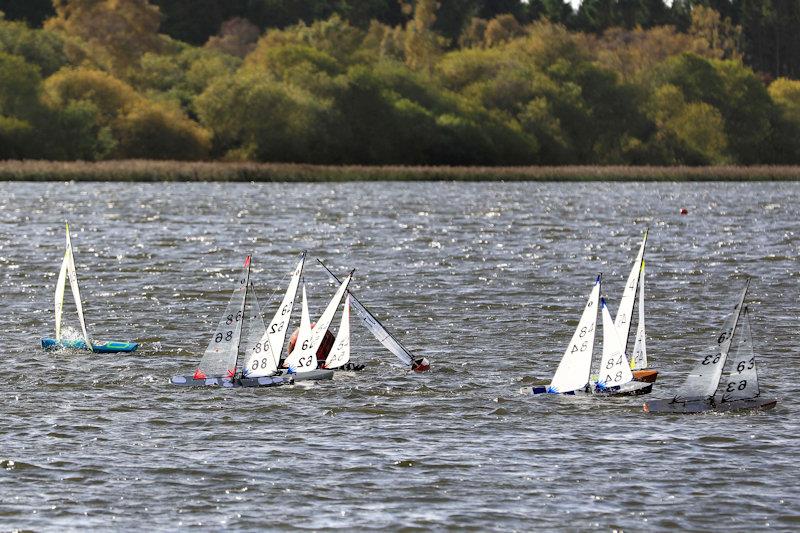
column 487, row 280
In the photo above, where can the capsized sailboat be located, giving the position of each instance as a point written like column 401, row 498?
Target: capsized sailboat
column 624, row 319
column 701, row 391
column 69, row 272
column 573, row 375
column 389, row 341
column 219, row 365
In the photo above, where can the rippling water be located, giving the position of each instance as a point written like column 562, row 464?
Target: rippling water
column 486, row 280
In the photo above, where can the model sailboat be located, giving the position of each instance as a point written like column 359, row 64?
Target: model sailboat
column 69, row 272
column 303, row 359
column 701, row 391
column 417, row 364
column 624, row 319
column 573, row 374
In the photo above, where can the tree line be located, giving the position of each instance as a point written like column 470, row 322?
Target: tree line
column 458, row 82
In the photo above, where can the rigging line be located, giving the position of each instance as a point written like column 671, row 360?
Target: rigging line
column 280, row 285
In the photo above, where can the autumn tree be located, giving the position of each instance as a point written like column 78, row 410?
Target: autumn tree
column 422, row 45
column 116, row 32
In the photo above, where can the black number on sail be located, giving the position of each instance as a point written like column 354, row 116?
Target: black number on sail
column 732, row 386
column 221, row 353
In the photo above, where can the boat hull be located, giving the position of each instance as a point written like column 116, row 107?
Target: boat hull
column 543, row 390
column 97, row 347
column 633, row 388
column 312, row 375
column 706, row 406
column 646, row 375
column 190, row 381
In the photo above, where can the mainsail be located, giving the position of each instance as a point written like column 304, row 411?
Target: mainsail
column 743, row 379
column 340, row 353
column 702, row 382
column 60, row 286
column 68, row 271
column 639, row 358
column 302, row 358
column 253, row 346
column 219, row 359
column 375, row 327
column 324, row 322
column 615, row 370
column 624, row 314
column 575, row 366
column 270, row 346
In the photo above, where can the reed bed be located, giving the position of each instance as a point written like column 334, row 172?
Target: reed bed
column 146, row 170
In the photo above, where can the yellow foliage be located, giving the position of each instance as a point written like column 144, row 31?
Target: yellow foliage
column 111, row 96
column 637, row 51
column 786, row 94
column 158, row 131
column 116, row 32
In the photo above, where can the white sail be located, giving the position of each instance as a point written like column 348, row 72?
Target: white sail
column 703, row 379
column 219, row 359
column 324, row 322
column 271, row 344
column 340, row 353
column 624, row 314
column 72, row 275
column 303, row 358
column 742, row 381
column 258, row 359
column 639, row 357
column 615, row 370
column 575, row 366
column 61, row 284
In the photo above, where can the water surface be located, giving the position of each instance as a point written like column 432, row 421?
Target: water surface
column 485, row 279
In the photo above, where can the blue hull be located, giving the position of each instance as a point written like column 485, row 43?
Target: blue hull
column 97, row 347
column 228, row 383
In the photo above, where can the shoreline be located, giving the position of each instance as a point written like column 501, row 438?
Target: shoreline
column 157, row 171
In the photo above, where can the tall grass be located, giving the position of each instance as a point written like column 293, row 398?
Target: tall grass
column 145, row 170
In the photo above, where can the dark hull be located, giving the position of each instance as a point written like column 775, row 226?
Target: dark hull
column 633, row 388
column 706, row 406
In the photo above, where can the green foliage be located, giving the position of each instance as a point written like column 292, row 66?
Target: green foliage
column 42, row 48
column 457, row 82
